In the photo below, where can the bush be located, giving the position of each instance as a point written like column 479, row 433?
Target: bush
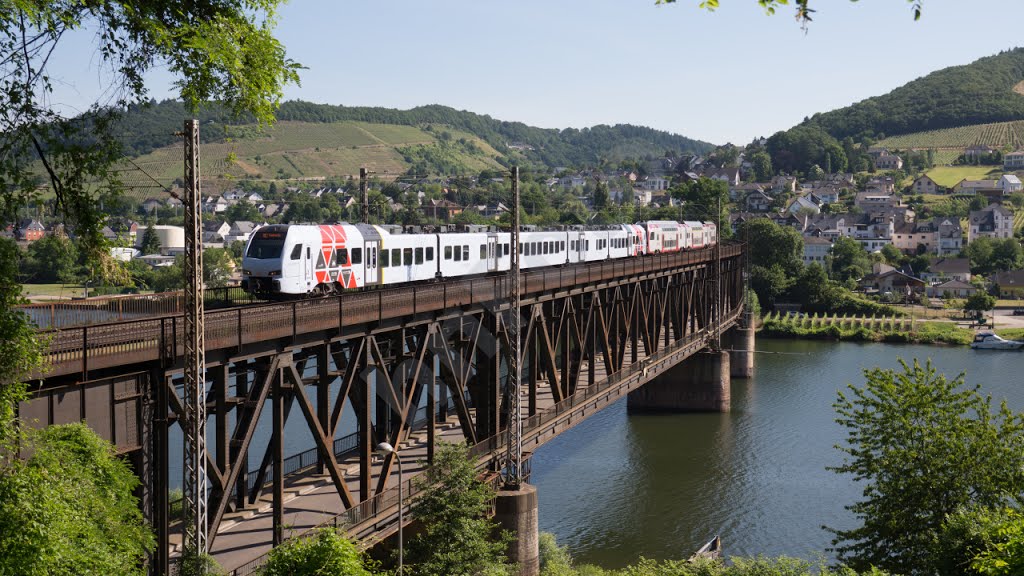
column 327, row 551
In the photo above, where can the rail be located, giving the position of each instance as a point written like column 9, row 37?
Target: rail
column 85, row 348
column 628, row 377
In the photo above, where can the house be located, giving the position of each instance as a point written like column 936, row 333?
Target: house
column 952, row 289
column 784, row 184
column 737, row 193
column 156, row 260
column 1010, row 184
column 443, row 210
column 977, row 151
column 972, row 187
column 30, row 231
column 730, row 176
column 816, row 249
column 875, row 201
column 881, row 185
column 1009, row 284
column 654, row 183
column 255, row 198
column 274, row 209
column 925, row 185
column 1013, row 161
column 803, row 204
column 949, row 269
column 572, row 181
column 887, row 161
column 992, row 222
column 826, row 195
column 951, row 236
column 151, row 205
column 240, row 232
column 888, row 279
column 916, row 237
column 758, row 201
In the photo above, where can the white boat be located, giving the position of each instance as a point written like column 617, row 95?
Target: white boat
column 990, row 341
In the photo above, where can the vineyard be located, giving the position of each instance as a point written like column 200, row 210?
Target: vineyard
column 1018, row 219
column 950, row 142
column 862, row 329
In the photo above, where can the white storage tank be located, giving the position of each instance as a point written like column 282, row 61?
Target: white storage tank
column 172, row 238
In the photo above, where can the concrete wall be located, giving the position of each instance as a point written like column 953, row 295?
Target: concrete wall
column 699, row 384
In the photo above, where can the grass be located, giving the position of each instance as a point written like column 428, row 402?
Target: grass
column 49, row 291
column 948, row 176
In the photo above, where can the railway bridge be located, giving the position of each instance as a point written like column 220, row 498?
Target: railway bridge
column 411, row 366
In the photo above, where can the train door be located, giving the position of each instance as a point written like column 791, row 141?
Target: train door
column 492, row 253
column 581, row 250
column 370, row 264
column 307, row 268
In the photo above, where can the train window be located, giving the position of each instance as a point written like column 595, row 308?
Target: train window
column 586, row 244
column 506, row 248
column 534, row 251
column 296, row 252
column 341, row 257
column 430, row 253
column 396, row 256
column 374, row 256
column 385, row 260
column 447, row 252
column 458, row 254
column 483, row 251
column 546, row 247
column 465, row 251
column 419, row 255
column 357, row 255
column 407, row 256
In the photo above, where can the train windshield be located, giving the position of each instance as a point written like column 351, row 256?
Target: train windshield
column 266, row 245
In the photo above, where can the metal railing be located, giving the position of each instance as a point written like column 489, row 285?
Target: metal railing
column 60, row 314
column 107, row 345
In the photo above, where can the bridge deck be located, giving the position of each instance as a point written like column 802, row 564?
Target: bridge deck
column 311, row 499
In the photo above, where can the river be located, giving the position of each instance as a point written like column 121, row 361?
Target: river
column 621, row 486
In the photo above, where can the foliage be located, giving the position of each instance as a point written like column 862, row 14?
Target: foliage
column 848, row 260
column 217, row 267
column 776, row 255
column 860, row 328
column 1004, row 555
column 966, row 533
column 762, row 164
column 70, row 509
column 453, row 508
column 191, row 564
column 242, row 210
column 52, row 258
column 703, row 199
column 554, row 559
column 979, row 302
column 22, row 351
column 922, row 446
column 326, row 552
column 218, row 49
column 802, row 147
column 150, row 241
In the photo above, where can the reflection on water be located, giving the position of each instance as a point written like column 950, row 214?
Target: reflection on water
column 621, row 486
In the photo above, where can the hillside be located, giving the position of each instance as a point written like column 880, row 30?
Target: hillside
column 319, row 140
column 949, row 143
column 984, row 91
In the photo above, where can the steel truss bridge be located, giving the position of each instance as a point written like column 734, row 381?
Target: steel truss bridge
column 411, row 366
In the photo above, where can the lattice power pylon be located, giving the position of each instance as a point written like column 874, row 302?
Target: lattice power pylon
column 194, row 426
column 514, row 450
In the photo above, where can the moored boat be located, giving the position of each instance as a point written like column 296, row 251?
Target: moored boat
column 992, row 341
column 710, row 551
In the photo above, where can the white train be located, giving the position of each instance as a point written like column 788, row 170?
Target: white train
column 283, row 261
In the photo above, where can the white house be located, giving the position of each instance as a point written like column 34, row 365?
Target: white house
column 992, row 222
column 1013, row 161
column 240, row 232
column 1010, row 184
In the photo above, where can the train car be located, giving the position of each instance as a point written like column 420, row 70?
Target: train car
column 544, row 248
column 295, row 260
column 710, row 234
column 663, row 236
column 408, row 258
column 618, row 243
column 697, row 237
column 637, row 239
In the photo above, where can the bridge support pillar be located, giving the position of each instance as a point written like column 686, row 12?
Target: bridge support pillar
column 698, row 384
column 741, row 356
column 516, row 511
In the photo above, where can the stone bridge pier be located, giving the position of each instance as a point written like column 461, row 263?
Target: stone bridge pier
column 702, row 382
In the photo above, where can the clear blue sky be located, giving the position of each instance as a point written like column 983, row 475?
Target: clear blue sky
column 730, row 75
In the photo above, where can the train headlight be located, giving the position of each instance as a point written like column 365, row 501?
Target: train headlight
column 247, row 272
column 274, row 273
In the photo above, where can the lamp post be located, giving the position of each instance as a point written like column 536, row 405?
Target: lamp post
column 384, row 449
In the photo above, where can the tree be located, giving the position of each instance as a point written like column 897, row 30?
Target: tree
column 922, row 446
column 453, row 508
column 242, row 210
column 762, row 166
column 803, row 9
column 150, row 241
column 1007, row 254
column 220, row 50
column 217, row 267
column 848, row 260
column 22, row 350
column 600, row 195
column 893, row 256
column 979, row 303
column 52, row 258
column 702, row 200
column 69, row 508
column 327, row 551
column 980, row 253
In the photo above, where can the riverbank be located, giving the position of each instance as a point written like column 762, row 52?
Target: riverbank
column 865, row 329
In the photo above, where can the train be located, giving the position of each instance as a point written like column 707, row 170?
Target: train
column 284, row 261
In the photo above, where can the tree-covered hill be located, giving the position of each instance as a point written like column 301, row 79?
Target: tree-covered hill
column 977, row 93
column 150, row 127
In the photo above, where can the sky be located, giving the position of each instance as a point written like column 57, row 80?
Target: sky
column 726, row 76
